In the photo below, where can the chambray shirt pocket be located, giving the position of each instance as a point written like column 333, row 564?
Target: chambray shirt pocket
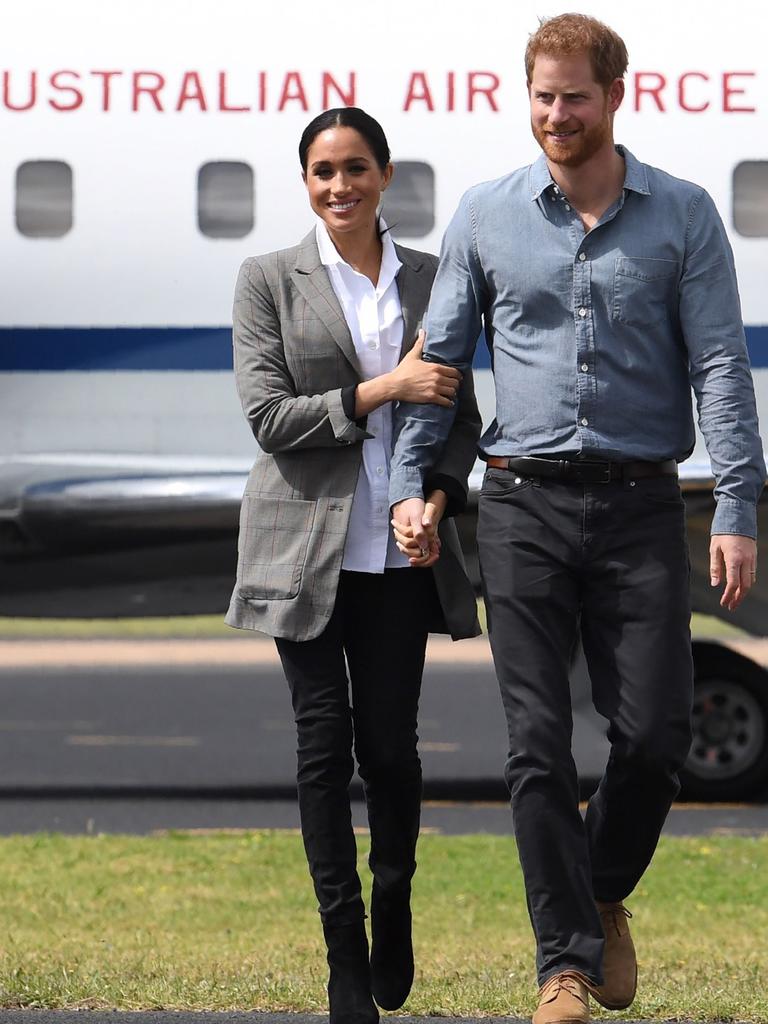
column 644, row 289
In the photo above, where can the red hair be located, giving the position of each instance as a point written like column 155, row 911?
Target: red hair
column 569, row 34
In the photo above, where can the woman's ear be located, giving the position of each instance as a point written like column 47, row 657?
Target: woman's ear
column 389, row 170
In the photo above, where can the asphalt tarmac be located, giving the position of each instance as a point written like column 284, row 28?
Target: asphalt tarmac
column 147, row 736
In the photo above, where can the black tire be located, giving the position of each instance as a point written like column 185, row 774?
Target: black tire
column 729, row 753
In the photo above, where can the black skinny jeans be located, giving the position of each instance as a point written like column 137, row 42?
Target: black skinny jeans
column 608, row 560
column 380, row 623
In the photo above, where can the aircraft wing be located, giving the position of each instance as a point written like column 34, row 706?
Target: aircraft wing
column 114, row 536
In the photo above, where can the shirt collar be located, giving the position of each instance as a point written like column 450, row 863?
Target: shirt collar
column 329, row 254
column 635, row 175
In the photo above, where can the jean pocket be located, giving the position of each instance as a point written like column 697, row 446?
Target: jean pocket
column 662, row 491
column 274, row 537
column 644, row 289
column 501, row 482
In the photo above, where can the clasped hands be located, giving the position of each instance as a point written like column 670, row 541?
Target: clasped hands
column 414, row 523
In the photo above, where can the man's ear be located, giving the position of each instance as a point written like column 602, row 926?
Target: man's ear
column 615, row 94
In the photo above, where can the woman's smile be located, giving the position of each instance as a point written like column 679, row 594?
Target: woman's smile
column 344, row 180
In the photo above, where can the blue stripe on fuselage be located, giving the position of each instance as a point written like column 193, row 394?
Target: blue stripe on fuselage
column 174, row 348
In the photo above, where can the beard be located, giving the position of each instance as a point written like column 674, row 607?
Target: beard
column 579, row 148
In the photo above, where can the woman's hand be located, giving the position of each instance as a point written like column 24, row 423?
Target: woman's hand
column 415, row 523
column 414, row 380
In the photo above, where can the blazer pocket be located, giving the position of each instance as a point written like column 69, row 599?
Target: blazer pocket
column 274, row 536
column 643, row 289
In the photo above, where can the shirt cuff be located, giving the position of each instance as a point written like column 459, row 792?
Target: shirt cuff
column 348, row 401
column 456, row 494
column 739, row 517
column 345, row 429
column 405, row 482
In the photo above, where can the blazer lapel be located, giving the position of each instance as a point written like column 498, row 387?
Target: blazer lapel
column 313, row 283
column 414, row 287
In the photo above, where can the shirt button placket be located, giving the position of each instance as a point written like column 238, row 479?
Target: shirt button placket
column 585, row 389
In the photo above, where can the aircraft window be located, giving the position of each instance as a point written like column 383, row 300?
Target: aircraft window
column 409, row 202
column 225, row 199
column 44, row 198
column 750, row 198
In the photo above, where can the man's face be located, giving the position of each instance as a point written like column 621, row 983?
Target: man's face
column 571, row 113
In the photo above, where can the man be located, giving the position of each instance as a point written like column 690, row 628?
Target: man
column 606, row 288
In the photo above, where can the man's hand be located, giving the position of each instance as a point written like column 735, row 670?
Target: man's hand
column 733, row 560
column 415, row 523
column 413, row 380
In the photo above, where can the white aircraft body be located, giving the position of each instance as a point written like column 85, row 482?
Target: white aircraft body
column 149, row 147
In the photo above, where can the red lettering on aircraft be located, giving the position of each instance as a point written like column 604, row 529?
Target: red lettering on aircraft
column 191, row 91
column 682, row 85
column 77, row 97
column 451, row 90
column 223, row 105
column 475, row 87
column 152, row 91
column 653, row 88
column 729, row 90
column 418, row 91
column 69, row 90
column 654, row 85
column 293, row 90
column 345, row 99
column 7, row 92
column 106, row 81
column 479, row 84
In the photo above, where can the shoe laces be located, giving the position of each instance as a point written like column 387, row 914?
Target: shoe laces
column 615, row 912
column 567, row 981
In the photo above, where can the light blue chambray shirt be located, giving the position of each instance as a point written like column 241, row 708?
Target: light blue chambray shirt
column 595, row 337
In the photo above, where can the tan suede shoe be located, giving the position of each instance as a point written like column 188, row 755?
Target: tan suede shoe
column 619, row 960
column 563, row 1000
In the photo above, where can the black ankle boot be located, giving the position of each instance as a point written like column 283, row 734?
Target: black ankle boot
column 391, row 946
column 349, row 984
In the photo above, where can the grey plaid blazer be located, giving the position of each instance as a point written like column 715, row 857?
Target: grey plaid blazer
column 293, row 356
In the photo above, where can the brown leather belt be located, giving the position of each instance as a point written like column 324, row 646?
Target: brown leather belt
column 582, row 471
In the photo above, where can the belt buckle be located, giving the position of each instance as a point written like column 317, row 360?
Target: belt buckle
column 593, row 472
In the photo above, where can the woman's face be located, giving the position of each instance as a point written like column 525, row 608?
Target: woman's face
column 344, row 180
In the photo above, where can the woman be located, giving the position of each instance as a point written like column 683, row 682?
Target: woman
column 323, row 336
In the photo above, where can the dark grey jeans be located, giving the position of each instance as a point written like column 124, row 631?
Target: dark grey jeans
column 378, row 632
column 609, row 561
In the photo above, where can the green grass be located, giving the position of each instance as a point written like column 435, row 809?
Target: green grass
column 212, row 626
column 228, row 922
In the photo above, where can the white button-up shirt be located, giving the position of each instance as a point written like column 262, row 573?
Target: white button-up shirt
column 375, row 320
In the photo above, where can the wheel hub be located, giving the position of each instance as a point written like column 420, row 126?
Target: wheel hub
column 728, row 730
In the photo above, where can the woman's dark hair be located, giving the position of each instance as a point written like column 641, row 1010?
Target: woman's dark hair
column 347, row 117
